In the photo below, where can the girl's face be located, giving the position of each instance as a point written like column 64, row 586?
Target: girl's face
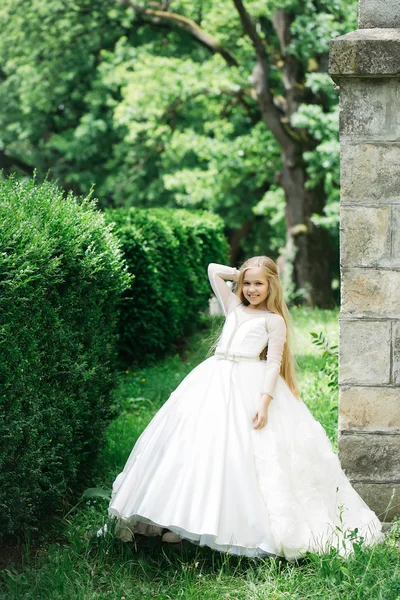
column 255, row 287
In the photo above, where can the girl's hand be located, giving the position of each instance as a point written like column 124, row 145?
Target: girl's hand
column 260, row 419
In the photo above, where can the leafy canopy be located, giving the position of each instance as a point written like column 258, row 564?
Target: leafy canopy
column 97, row 93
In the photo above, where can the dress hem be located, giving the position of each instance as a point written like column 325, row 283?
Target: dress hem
column 128, row 531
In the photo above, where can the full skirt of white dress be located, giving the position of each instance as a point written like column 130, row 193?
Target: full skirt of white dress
column 201, row 470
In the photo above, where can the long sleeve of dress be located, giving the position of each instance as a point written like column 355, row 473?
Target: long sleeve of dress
column 276, row 340
column 218, row 274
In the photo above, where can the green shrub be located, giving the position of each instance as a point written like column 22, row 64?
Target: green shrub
column 168, row 251
column 62, row 276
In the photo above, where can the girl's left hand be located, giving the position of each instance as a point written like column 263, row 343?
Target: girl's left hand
column 260, row 419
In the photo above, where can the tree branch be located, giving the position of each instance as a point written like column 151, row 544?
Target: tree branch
column 251, row 31
column 260, row 78
column 281, row 24
column 238, row 95
column 292, row 70
column 186, row 24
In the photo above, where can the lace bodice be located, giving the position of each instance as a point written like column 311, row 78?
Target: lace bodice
column 246, row 333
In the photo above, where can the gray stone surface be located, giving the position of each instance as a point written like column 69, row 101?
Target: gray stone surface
column 366, row 65
column 365, row 236
column 371, row 293
column 364, row 352
column 396, row 353
column 370, row 173
column 370, row 458
column 396, row 235
column 379, row 13
column 365, row 52
column 369, row 409
column 379, row 497
column 369, row 109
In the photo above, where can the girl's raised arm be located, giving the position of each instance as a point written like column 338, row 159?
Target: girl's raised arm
column 276, row 340
column 217, row 275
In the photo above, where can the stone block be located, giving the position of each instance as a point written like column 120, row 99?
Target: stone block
column 364, row 352
column 369, row 408
column 371, row 292
column 378, row 13
column 370, row 173
column 369, row 109
column 365, row 52
column 365, row 236
column 382, row 498
column 370, row 458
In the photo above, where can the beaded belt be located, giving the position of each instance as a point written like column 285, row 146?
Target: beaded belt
column 233, row 356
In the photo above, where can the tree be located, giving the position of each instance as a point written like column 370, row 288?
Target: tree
column 50, row 53
column 288, row 43
column 155, row 105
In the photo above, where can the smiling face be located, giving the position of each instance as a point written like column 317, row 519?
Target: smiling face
column 255, row 287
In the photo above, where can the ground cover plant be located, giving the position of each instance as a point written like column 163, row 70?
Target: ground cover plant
column 75, row 563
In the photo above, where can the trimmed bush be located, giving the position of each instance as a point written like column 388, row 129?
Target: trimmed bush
column 168, row 251
column 62, row 275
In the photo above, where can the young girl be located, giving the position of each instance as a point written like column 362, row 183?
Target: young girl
column 234, row 459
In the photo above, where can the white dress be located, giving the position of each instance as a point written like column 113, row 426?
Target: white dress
column 201, row 470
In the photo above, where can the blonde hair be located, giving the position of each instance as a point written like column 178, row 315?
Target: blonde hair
column 277, row 305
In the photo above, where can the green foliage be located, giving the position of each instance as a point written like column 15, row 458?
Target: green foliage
column 50, row 53
column 323, row 163
column 168, row 252
column 61, row 280
column 152, row 117
column 316, row 22
column 331, row 357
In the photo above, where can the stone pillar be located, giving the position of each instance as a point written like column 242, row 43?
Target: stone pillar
column 366, row 66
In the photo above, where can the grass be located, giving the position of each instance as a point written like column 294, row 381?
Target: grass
column 73, row 563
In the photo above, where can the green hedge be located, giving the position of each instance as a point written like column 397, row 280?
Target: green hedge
column 62, row 275
column 168, row 251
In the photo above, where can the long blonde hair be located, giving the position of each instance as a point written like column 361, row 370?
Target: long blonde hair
column 275, row 304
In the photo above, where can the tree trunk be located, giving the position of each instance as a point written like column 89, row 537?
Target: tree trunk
column 312, row 258
column 236, row 237
column 314, row 251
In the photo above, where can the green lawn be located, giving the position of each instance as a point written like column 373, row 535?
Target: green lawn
column 73, row 563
